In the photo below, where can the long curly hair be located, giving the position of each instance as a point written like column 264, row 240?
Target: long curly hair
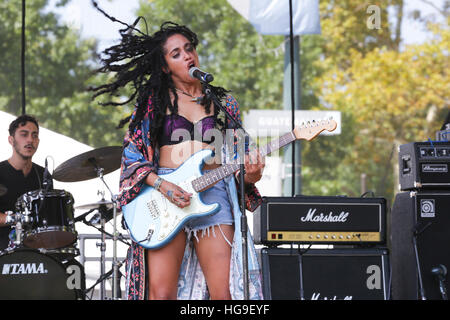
column 139, row 60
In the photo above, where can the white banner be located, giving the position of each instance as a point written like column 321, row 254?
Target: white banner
column 261, row 122
column 271, row 17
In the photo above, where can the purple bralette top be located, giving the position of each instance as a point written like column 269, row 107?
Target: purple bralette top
column 171, row 133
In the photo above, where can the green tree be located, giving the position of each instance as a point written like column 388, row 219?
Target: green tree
column 248, row 63
column 59, row 67
column 389, row 95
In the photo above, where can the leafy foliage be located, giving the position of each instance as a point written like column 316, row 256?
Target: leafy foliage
column 388, row 93
column 59, row 66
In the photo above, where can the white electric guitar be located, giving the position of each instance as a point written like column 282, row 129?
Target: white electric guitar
column 153, row 220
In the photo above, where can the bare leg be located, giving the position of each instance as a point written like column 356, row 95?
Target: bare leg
column 163, row 267
column 214, row 255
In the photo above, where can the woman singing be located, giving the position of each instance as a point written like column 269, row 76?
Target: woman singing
column 204, row 260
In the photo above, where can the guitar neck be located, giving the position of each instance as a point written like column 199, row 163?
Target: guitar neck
column 208, row 179
column 276, row 144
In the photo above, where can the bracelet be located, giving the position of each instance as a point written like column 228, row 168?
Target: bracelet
column 158, row 183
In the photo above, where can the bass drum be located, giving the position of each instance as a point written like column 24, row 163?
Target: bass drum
column 28, row 274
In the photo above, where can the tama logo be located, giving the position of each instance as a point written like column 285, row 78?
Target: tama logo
column 24, row 268
column 311, row 216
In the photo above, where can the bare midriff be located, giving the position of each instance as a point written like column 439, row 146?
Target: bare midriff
column 172, row 156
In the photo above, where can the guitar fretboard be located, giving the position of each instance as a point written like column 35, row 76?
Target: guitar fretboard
column 215, row 175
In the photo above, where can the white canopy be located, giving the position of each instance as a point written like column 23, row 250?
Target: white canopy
column 272, row 17
column 61, row 148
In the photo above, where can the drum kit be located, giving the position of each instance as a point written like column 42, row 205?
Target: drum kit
column 40, row 260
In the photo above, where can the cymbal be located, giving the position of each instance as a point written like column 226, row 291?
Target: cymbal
column 85, row 166
column 96, row 205
column 3, row 190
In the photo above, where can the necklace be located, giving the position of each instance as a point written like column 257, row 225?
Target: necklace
column 197, row 100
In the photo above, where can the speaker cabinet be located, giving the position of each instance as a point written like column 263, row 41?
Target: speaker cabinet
column 424, row 217
column 325, row 274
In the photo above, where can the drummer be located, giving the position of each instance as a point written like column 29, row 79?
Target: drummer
column 19, row 174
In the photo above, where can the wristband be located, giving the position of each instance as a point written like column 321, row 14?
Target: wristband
column 158, row 183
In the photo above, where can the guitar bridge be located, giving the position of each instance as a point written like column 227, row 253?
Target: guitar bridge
column 153, row 208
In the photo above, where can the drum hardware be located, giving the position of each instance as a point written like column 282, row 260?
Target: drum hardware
column 105, row 276
column 10, row 218
column 101, row 207
column 103, row 215
column 100, row 173
column 14, row 219
column 62, row 254
column 95, row 164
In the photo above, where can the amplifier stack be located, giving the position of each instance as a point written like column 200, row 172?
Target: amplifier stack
column 420, row 222
column 357, row 265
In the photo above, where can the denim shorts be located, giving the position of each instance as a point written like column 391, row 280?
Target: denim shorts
column 215, row 194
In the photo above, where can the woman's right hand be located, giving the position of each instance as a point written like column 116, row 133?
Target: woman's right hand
column 175, row 194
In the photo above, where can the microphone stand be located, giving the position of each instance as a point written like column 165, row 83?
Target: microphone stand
column 244, row 228
column 416, row 233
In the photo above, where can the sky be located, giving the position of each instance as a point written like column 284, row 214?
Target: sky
column 82, row 15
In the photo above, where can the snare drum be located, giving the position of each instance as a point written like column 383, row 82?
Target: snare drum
column 48, row 218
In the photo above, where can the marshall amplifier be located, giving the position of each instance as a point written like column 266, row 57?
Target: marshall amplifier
column 325, row 274
column 318, row 219
column 424, row 165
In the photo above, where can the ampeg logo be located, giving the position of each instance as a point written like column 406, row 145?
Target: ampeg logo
column 24, row 268
column 434, row 168
column 427, row 208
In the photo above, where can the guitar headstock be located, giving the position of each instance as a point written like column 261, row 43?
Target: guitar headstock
column 312, row 129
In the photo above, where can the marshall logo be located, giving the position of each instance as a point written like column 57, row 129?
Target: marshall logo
column 311, row 216
column 316, row 296
column 23, row 268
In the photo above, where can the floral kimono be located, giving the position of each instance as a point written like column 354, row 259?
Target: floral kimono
column 139, row 158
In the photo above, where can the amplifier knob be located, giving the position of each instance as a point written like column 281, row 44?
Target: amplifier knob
column 349, row 237
column 333, row 236
column 326, row 237
column 318, row 236
column 341, row 237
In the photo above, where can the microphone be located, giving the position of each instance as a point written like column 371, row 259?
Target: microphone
column 203, row 76
column 47, row 179
column 440, row 271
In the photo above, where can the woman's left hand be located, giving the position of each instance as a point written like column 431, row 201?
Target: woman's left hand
column 254, row 166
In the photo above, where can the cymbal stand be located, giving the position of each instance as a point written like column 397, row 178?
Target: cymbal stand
column 114, row 201
column 102, row 245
